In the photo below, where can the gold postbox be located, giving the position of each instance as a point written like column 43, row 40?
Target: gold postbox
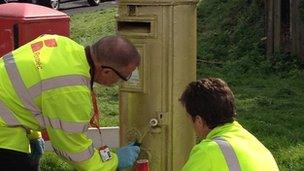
column 164, row 32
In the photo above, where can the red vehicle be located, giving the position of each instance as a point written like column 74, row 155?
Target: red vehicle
column 49, row 3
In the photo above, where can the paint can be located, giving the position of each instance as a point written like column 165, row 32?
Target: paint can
column 142, row 165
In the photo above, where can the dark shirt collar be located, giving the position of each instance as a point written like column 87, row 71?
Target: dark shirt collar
column 91, row 63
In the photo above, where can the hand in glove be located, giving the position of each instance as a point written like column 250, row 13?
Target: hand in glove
column 37, row 149
column 127, row 155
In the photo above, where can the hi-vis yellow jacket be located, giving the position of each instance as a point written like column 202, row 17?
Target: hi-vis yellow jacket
column 45, row 84
column 230, row 148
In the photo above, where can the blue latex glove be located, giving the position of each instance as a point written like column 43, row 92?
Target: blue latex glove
column 37, row 149
column 127, row 155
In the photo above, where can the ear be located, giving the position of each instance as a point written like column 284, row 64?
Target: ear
column 200, row 121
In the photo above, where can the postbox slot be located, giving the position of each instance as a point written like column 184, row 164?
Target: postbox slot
column 134, row 26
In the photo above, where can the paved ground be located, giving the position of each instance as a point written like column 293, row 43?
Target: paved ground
column 76, row 6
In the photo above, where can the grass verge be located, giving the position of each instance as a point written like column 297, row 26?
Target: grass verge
column 269, row 93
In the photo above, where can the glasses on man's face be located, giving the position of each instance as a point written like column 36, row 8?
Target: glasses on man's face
column 117, row 73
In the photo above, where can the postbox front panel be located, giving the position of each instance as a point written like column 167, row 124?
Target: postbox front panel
column 139, row 109
column 150, row 112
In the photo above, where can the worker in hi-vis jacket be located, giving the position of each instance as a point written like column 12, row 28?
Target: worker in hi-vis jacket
column 46, row 84
column 225, row 145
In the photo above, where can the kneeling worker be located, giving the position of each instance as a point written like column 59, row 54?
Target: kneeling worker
column 226, row 145
column 47, row 84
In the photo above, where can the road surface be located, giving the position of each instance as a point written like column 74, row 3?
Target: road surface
column 76, row 6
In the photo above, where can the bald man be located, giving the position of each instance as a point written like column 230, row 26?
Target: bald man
column 46, row 85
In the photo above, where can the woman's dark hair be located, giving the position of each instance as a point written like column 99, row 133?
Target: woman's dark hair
column 211, row 99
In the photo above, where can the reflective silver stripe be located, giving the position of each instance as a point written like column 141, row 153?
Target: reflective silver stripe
column 20, row 88
column 27, row 96
column 229, row 154
column 76, row 157
column 56, row 82
column 66, row 126
column 7, row 115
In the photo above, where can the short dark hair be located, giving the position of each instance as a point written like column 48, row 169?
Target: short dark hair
column 116, row 51
column 211, row 99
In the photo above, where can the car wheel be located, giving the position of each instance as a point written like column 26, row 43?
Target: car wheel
column 93, row 2
column 3, row 1
column 50, row 3
column 28, row 1
column 25, row 1
column 55, row 4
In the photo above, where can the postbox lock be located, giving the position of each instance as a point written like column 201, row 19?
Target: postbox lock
column 153, row 122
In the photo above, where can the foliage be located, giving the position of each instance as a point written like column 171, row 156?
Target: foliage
column 229, row 29
column 269, row 94
column 51, row 162
column 87, row 28
column 108, row 106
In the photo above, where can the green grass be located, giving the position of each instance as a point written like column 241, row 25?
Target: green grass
column 51, row 162
column 108, row 106
column 88, row 27
column 269, row 94
column 272, row 109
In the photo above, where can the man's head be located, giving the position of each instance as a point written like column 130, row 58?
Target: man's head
column 210, row 103
column 115, row 58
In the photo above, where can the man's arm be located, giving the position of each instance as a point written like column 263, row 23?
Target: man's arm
column 72, row 109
